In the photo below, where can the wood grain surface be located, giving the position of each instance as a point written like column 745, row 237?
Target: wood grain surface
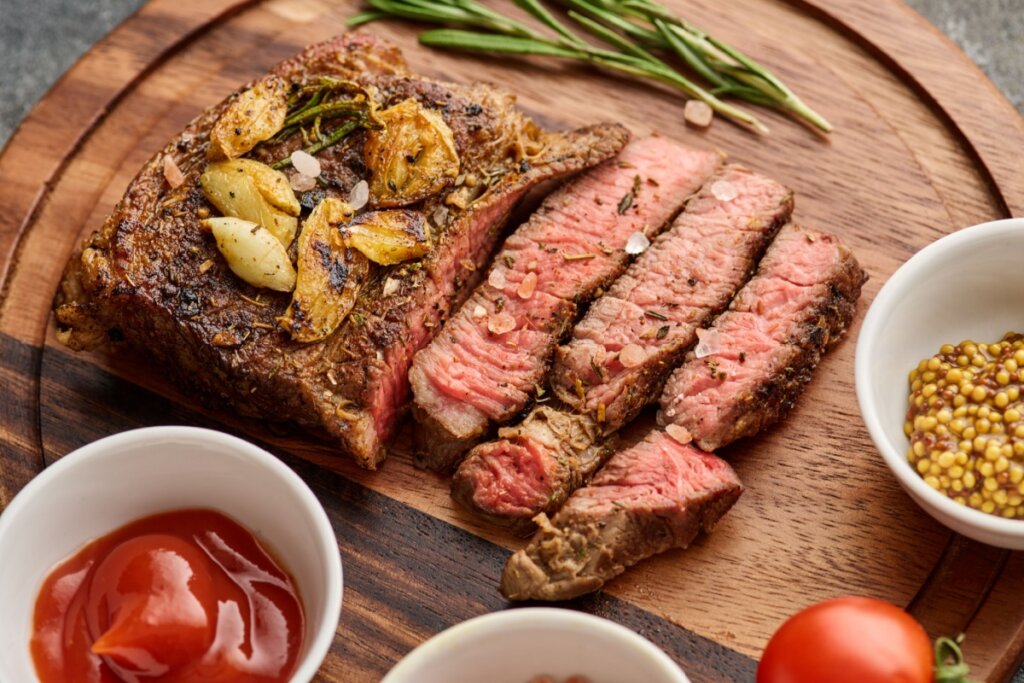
column 923, row 145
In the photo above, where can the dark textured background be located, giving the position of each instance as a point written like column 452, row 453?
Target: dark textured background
column 40, row 39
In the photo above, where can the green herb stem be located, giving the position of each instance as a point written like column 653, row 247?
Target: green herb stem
column 634, row 29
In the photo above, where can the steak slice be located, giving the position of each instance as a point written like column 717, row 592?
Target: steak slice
column 151, row 276
column 687, row 276
column 531, row 467
column 758, row 356
column 492, row 355
column 652, row 497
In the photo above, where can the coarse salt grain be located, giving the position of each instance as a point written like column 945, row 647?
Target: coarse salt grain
column 479, row 311
column 301, row 182
column 305, row 163
column 501, row 323
column 527, row 286
column 679, row 433
column 173, row 174
column 359, row 195
column 390, row 286
column 698, row 113
column 637, row 243
column 708, row 343
column 496, row 278
column 632, row 355
column 724, row 190
column 440, row 215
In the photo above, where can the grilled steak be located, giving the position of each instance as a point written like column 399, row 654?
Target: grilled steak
column 655, row 496
column 492, row 355
column 151, row 276
column 758, row 356
column 687, row 276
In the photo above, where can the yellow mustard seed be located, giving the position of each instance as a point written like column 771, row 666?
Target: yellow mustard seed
column 965, row 425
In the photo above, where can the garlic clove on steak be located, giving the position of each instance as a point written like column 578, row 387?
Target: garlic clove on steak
column 253, row 253
column 257, row 114
column 413, row 157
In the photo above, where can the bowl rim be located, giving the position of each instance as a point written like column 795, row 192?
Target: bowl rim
column 321, row 641
column 879, row 310
column 496, row 624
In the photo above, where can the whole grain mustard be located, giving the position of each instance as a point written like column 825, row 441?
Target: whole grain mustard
column 965, row 422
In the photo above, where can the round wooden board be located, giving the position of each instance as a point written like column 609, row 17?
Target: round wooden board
column 924, row 144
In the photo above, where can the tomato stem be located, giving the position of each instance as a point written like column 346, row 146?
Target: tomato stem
column 949, row 661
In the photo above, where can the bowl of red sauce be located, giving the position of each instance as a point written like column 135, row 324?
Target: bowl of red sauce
column 167, row 554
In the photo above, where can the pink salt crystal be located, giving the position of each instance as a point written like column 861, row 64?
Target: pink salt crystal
column 632, row 355
column 501, row 323
column 527, row 286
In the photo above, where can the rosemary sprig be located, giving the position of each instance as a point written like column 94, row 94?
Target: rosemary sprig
column 320, row 101
column 640, row 34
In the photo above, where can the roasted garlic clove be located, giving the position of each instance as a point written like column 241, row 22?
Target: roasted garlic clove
column 247, row 189
column 412, row 157
column 329, row 277
column 388, row 237
column 253, row 253
column 257, row 114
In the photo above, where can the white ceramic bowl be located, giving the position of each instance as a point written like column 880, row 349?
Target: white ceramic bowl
column 967, row 285
column 515, row 645
column 116, row 480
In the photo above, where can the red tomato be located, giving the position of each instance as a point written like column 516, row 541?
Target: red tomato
column 848, row 640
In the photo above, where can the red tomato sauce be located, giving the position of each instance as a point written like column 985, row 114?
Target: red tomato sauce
column 188, row 595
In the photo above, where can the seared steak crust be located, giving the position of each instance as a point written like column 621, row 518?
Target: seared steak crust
column 650, row 498
column 764, row 349
column 687, row 276
column 493, row 354
column 151, row 276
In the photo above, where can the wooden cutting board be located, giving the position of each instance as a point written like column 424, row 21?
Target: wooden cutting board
column 924, row 144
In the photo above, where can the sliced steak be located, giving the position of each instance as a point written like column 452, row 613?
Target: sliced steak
column 655, row 496
column 492, row 355
column 621, row 352
column 687, row 276
column 751, row 365
column 151, row 276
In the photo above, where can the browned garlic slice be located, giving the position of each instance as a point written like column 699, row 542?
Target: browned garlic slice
column 412, row 157
column 388, row 237
column 330, row 275
column 257, row 114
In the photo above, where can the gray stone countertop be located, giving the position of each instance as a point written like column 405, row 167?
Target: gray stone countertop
column 991, row 32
